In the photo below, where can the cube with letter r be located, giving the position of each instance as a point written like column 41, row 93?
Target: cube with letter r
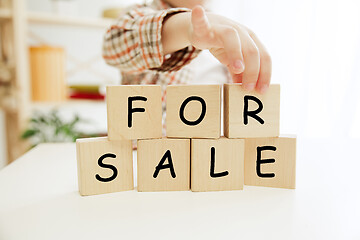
column 251, row 114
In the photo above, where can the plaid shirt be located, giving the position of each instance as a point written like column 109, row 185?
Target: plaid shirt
column 133, row 44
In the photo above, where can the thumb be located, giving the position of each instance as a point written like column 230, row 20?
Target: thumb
column 200, row 22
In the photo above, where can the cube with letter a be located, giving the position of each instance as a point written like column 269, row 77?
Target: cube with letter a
column 163, row 164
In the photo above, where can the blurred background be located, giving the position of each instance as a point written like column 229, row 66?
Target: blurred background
column 52, row 75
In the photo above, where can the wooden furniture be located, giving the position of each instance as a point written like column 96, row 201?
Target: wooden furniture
column 40, row 200
column 15, row 98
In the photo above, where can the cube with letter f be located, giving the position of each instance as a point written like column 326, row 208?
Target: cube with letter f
column 134, row 112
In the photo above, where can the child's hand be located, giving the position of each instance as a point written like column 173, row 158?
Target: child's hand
column 233, row 45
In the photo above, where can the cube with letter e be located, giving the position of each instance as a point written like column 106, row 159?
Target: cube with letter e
column 271, row 162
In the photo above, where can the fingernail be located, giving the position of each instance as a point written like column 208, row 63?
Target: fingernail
column 249, row 86
column 238, row 65
column 263, row 88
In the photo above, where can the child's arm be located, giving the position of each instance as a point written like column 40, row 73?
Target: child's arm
column 134, row 43
column 140, row 40
column 231, row 43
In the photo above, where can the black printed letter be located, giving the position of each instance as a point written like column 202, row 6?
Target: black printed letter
column 113, row 168
column 203, row 110
column 252, row 114
column 131, row 110
column 212, row 166
column 260, row 161
column 161, row 165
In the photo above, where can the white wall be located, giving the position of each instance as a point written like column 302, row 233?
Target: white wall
column 315, row 47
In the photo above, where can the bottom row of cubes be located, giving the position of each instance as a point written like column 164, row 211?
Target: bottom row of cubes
column 171, row 164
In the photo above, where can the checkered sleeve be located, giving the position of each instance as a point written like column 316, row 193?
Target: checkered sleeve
column 133, row 43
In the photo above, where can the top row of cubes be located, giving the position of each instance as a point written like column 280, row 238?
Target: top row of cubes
column 192, row 111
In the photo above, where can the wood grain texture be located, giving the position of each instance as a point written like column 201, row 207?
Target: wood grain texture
column 15, row 53
column 149, row 154
column 234, row 126
column 229, row 156
column 209, row 127
column 146, row 124
column 89, row 150
column 284, row 166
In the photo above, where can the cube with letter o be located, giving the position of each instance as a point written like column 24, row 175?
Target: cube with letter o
column 193, row 111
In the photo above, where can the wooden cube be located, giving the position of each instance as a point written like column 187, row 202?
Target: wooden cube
column 163, row 165
column 104, row 166
column 270, row 162
column 251, row 114
column 134, row 112
column 193, row 111
column 217, row 164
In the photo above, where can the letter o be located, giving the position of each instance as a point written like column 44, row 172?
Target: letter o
column 203, row 110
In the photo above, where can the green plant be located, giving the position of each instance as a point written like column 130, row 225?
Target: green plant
column 44, row 128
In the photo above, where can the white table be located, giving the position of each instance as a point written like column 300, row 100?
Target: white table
column 39, row 200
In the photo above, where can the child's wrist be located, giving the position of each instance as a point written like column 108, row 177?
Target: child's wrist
column 176, row 32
